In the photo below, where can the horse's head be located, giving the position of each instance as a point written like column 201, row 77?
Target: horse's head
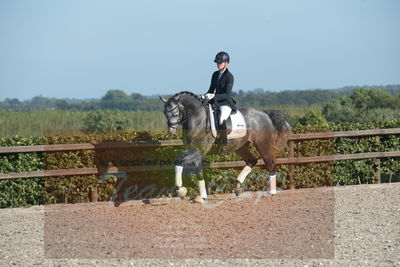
column 181, row 108
column 173, row 113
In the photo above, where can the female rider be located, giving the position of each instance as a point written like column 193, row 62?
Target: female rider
column 220, row 92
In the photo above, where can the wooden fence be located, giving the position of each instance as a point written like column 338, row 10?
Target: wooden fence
column 291, row 160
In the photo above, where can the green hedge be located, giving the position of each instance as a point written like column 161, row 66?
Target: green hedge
column 25, row 192
column 346, row 172
column 21, row 192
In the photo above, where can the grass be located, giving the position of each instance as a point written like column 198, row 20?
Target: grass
column 37, row 123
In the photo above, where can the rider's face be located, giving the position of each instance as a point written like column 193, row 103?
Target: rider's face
column 222, row 66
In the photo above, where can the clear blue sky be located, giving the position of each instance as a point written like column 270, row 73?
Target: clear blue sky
column 82, row 48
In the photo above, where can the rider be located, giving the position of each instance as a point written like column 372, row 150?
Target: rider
column 220, row 92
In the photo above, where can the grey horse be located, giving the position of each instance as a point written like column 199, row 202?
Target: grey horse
column 267, row 131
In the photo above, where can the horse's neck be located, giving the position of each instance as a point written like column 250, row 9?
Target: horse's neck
column 194, row 111
column 191, row 104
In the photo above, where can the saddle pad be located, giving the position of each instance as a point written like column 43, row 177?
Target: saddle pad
column 238, row 123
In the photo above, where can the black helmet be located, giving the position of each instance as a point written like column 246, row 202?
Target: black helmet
column 221, row 57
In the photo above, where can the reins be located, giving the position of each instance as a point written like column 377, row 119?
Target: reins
column 208, row 124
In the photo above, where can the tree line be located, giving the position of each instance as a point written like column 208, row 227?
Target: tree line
column 119, row 111
column 361, row 106
column 119, row 100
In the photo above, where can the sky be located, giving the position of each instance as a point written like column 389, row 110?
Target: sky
column 81, row 49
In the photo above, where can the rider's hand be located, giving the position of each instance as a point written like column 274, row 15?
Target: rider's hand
column 208, row 96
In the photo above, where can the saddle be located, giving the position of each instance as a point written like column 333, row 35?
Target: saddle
column 235, row 125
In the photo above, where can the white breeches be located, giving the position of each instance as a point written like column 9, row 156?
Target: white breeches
column 225, row 112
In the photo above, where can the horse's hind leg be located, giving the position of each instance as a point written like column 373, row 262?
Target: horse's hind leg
column 250, row 160
column 201, row 183
column 267, row 153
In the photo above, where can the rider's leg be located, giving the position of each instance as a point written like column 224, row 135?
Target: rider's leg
column 224, row 112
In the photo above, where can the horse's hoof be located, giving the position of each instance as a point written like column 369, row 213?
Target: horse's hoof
column 181, row 192
column 238, row 192
column 198, row 199
column 238, row 188
column 272, row 192
column 117, row 203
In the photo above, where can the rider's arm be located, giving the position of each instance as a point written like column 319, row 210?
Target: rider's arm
column 213, row 83
column 229, row 85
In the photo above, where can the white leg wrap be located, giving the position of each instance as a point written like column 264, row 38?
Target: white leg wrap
column 202, row 188
column 178, row 175
column 243, row 174
column 272, row 184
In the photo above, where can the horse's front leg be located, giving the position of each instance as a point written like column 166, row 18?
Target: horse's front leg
column 190, row 163
column 181, row 191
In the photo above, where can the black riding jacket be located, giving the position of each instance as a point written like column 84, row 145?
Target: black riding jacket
column 222, row 87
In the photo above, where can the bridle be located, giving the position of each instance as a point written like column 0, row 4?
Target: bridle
column 180, row 119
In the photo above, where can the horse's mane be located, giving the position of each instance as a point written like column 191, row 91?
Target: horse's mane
column 177, row 96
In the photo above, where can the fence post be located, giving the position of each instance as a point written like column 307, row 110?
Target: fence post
column 378, row 161
column 291, row 166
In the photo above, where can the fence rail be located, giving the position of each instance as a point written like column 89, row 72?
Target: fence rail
column 88, row 146
column 232, row 164
column 161, row 143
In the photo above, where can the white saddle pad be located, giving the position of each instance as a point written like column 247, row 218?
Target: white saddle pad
column 239, row 128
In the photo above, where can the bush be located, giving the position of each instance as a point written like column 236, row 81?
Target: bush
column 105, row 120
column 363, row 106
column 21, row 192
column 313, row 118
column 346, row 172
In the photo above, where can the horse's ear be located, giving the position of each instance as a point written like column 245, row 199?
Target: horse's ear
column 163, row 100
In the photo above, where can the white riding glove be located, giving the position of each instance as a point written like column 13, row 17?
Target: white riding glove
column 208, row 96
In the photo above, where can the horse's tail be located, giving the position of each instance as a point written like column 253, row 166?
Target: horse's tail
column 282, row 126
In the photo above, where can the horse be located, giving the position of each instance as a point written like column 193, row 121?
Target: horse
column 267, row 131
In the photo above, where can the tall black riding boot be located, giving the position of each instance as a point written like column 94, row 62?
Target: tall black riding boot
column 223, row 139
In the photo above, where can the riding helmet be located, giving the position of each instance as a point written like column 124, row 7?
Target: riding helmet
column 221, row 57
